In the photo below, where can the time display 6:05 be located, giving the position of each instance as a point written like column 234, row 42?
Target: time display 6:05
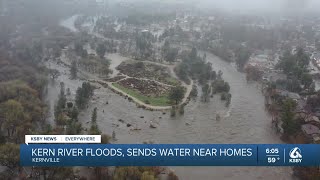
column 272, row 151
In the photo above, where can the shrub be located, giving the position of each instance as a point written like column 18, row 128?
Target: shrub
column 181, row 110
column 173, row 111
column 224, row 96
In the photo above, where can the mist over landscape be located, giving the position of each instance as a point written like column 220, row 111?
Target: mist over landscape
column 159, row 72
column 253, row 6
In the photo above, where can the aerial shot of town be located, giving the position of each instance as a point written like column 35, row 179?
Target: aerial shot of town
column 160, row 72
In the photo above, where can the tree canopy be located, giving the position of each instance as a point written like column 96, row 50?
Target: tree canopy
column 242, row 56
column 101, row 50
column 83, row 94
column 176, row 94
column 290, row 124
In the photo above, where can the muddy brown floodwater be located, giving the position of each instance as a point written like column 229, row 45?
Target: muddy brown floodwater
column 245, row 121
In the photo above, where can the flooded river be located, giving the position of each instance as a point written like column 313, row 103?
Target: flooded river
column 245, row 121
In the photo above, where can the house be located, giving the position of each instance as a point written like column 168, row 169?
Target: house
column 301, row 104
column 316, row 138
column 317, row 114
column 288, row 94
column 316, row 60
column 316, row 57
column 274, row 76
column 312, row 120
column 312, row 132
column 262, row 61
column 310, row 129
column 294, row 96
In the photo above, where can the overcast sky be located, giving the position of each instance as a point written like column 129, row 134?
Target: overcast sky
column 264, row 5
column 252, row 5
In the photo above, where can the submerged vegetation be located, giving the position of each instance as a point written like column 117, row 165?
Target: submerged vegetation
column 155, row 101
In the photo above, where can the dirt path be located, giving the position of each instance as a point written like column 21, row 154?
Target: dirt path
column 143, row 79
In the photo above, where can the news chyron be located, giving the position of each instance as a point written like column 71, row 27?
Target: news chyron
column 87, row 150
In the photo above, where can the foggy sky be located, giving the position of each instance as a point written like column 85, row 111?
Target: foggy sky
column 264, row 5
column 251, row 5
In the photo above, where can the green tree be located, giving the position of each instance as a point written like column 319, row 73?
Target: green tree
column 306, row 80
column 293, row 85
column 147, row 176
column 60, row 118
column 205, row 92
column 219, row 86
column 242, row 56
column 226, row 87
column 253, row 73
column 62, row 96
column 290, row 125
column 193, row 53
column 287, row 62
column 220, row 73
column 83, row 94
column 94, row 116
column 74, row 70
column 13, row 115
column 303, row 59
column 294, row 64
column 9, row 156
column 143, row 46
column 94, row 130
column 2, row 139
column 80, row 51
column 105, row 139
column 168, row 53
column 317, row 44
column 54, row 74
column 165, row 49
column 74, row 128
column 176, row 94
column 172, row 54
column 101, row 50
column 229, row 96
column 60, row 105
column 74, row 114
column 105, row 67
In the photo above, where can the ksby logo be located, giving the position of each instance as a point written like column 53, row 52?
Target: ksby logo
column 295, row 155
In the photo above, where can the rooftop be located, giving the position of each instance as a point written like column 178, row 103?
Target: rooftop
column 316, row 56
column 310, row 129
column 288, row 94
column 301, row 104
column 312, row 119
